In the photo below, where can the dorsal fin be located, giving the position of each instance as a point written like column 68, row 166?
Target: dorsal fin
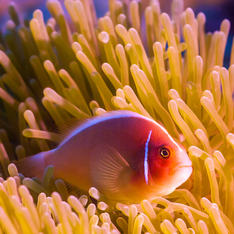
column 76, row 128
column 64, row 128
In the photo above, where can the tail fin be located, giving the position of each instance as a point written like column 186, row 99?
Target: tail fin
column 32, row 166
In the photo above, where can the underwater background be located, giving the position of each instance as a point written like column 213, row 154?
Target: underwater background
column 60, row 64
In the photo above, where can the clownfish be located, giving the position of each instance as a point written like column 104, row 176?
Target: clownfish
column 126, row 156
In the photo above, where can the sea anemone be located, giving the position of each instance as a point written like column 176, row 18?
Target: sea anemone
column 50, row 75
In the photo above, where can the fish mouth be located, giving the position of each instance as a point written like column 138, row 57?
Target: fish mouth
column 186, row 166
column 178, row 167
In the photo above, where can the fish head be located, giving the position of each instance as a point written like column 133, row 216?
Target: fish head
column 169, row 166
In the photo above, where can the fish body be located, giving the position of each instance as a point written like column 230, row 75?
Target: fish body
column 125, row 155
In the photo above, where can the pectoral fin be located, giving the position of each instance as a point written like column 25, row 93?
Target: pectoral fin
column 110, row 171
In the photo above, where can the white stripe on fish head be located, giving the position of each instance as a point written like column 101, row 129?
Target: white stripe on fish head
column 146, row 164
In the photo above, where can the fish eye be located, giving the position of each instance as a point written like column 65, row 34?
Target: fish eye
column 165, row 153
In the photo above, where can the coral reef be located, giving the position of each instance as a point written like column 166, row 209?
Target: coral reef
column 172, row 72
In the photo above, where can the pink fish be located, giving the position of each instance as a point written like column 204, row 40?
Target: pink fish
column 125, row 155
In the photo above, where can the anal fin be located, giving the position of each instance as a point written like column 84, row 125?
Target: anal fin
column 72, row 190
